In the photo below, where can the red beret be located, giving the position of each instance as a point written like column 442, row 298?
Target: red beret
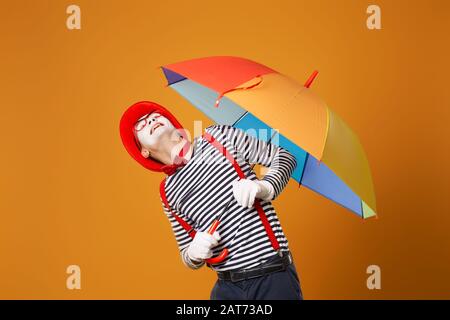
column 127, row 122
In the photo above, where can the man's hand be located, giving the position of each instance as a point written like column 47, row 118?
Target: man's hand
column 200, row 247
column 245, row 191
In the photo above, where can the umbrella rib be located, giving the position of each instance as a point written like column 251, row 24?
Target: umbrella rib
column 240, row 118
column 303, row 169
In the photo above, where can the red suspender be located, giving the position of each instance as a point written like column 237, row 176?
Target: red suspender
column 186, row 226
column 257, row 204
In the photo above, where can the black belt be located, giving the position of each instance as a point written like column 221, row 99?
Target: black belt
column 276, row 264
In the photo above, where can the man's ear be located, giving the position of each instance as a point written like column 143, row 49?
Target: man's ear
column 145, row 153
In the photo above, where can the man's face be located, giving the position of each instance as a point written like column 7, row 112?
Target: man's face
column 151, row 128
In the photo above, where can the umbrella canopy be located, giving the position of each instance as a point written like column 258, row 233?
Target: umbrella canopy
column 250, row 96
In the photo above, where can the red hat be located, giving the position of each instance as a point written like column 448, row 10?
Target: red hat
column 127, row 122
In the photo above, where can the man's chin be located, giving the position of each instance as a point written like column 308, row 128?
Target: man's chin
column 161, row 135
column 165, row 133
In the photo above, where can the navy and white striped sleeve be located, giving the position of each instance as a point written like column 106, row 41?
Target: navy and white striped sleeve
column 279, row 161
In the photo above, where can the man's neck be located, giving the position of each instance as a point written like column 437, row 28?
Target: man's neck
column 172, row 150
column 187, row 154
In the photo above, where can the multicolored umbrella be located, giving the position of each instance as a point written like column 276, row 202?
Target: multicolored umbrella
column 250, row 96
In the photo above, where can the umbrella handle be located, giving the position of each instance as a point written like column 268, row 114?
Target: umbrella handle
column 218, row 258
column 224, row 252
column 214, row 226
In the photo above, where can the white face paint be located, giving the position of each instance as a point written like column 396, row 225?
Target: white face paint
column 150, row 130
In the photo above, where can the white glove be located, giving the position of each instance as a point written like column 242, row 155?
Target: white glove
column 245, row 191
column 200, row 247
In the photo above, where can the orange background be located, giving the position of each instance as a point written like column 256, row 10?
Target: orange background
column 70, row 194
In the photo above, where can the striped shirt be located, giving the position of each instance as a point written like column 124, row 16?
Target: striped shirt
column 199, row 191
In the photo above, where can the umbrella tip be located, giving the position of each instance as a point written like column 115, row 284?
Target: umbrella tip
column 311, row 79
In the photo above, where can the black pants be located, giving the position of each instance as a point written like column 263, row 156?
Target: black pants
column 282, row 285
